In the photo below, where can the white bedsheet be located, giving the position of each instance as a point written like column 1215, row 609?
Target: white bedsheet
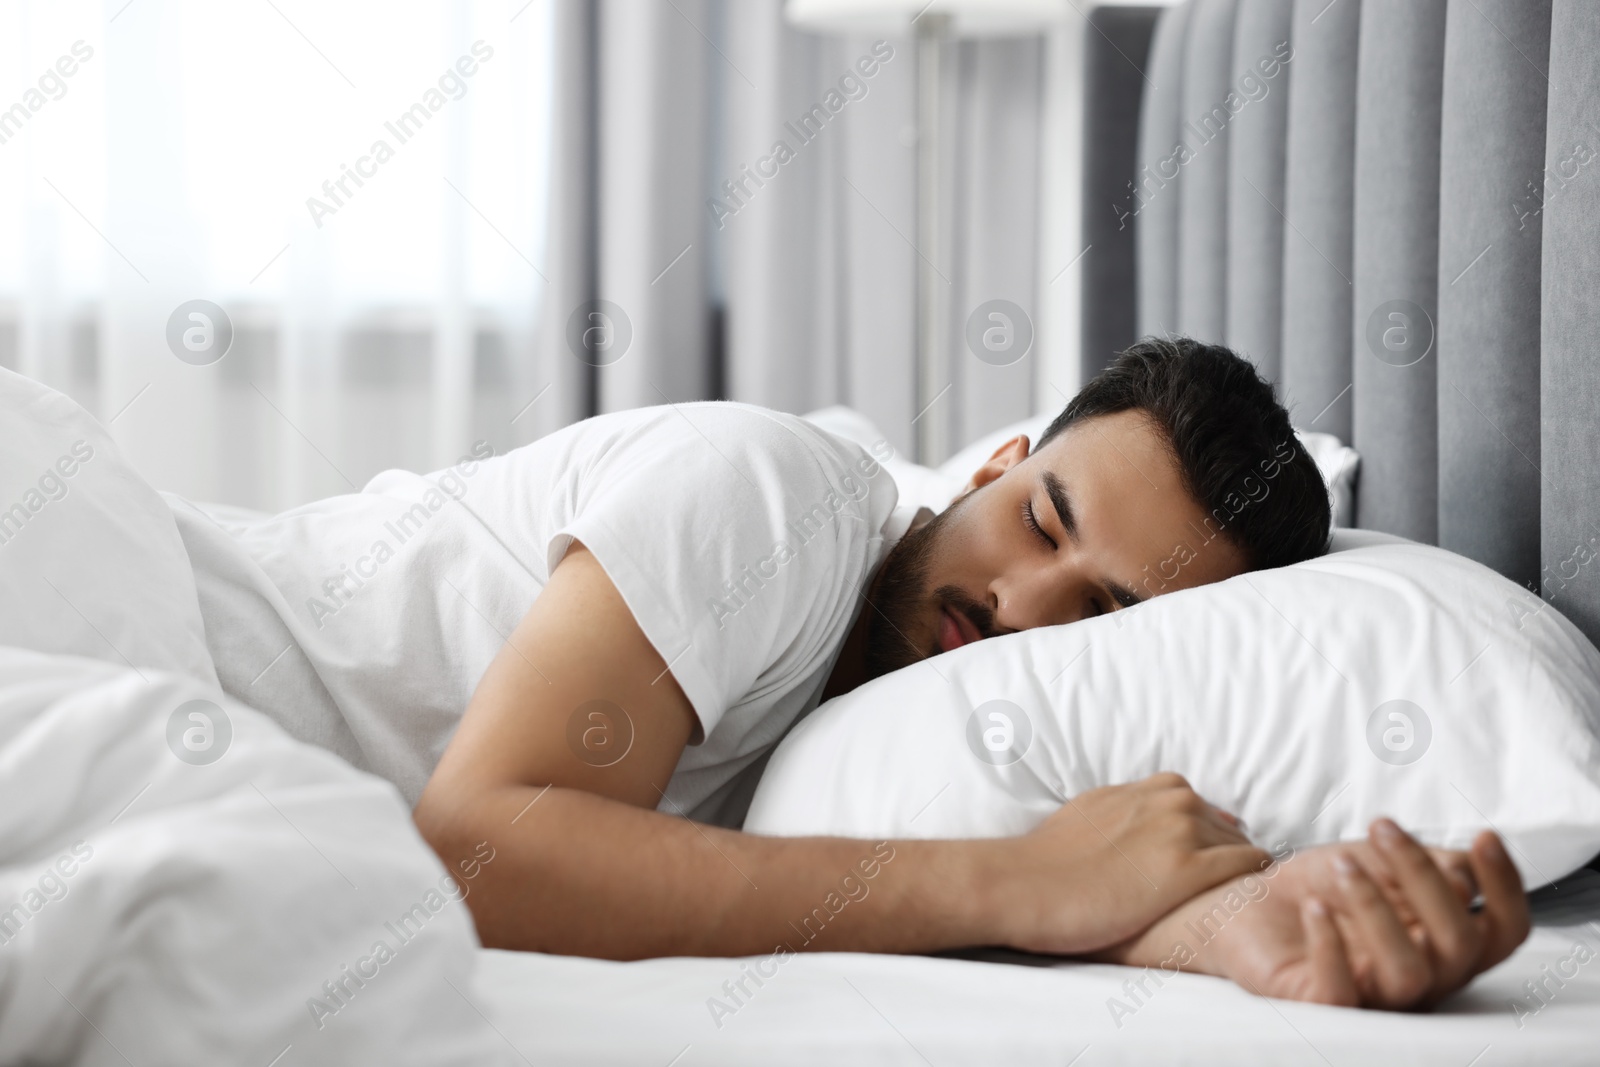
column 842, row 1008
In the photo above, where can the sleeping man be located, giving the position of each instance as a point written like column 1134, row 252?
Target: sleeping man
column 581, row 652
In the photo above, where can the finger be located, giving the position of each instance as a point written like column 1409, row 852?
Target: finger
column 1166, row 780
column 1453, row 938
column 1401, row 975
column 1331, row 980
column 1228, row 824
column 1215, row 830
column 1380, row 868
column 1505, row 905
column 1206, row 821
column 1457, row 868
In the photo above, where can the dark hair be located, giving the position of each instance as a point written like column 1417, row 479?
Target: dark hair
column 1230, row 437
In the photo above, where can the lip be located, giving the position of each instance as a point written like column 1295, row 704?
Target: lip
column 955, row 630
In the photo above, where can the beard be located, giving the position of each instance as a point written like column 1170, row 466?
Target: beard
column 903, row 608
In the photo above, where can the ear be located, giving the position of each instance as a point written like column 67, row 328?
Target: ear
column 1005, row 457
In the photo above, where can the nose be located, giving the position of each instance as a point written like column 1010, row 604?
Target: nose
column 1024, row 595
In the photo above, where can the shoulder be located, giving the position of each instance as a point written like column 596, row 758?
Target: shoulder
column 750, row 438
column 758, row 426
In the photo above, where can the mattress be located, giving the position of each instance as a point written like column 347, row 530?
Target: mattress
column 997, row 1007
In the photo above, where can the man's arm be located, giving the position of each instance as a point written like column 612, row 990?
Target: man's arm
column 584, row 864
column 1383, row 923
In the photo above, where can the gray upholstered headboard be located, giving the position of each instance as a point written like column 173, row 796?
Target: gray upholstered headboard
column 1401, row 226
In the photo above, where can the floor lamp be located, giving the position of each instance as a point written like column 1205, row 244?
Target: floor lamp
column 933, row 24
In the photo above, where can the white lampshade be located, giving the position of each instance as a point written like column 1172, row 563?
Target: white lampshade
column 968, row 18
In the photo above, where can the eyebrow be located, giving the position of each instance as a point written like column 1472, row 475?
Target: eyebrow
column 1062, row 503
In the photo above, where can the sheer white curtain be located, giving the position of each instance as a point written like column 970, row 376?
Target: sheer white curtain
column 360, row 187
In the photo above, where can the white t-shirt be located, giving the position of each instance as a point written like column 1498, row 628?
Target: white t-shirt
column 741, row 539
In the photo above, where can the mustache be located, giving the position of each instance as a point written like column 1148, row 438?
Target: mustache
column 976, row 612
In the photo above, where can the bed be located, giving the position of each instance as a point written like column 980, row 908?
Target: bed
column 847, row 1008
column 1414, row 157
column 231, row 911
column 1420, row 158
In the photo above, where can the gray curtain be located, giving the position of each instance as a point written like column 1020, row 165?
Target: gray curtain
column 778, row 277
column 1115, row 60
column 564, row 385
column 1158, row 183
column 996, row 226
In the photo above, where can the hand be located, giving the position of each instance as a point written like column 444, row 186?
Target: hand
column 1383, row 923
column 1111, row 862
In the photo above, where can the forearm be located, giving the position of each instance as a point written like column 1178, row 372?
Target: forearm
column 1215, row 930
column 579, row 874
column 1182, row 940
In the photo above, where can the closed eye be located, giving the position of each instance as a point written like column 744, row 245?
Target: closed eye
column 1030, row 517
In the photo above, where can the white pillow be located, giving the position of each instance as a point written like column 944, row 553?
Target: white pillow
column 1339, row 464
column 961, row 465
column 1385, row 678
column 90, row 560
column 918, row 485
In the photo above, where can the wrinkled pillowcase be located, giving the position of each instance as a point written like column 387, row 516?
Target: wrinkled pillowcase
column 1385, row 678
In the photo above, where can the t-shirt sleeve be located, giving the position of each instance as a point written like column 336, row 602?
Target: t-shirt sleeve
column 739, row 538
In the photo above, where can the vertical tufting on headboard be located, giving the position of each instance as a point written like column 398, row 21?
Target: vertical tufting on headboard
column 1490, row 155
column 1569, row 395
column 1257, row 142
column 1319, row 188
column 1399, row 74
column 1437, row 262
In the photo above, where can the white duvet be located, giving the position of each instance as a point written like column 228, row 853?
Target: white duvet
column 180, row 881
column 155, row 910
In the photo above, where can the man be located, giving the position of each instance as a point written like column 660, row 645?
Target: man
column 1136, row 464
column 683, row 583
